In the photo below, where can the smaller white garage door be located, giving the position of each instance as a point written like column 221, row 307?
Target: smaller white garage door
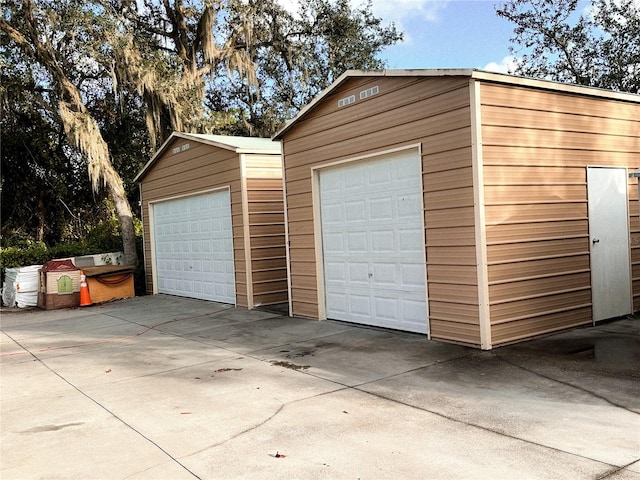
column 194, row 247
column 373, row 242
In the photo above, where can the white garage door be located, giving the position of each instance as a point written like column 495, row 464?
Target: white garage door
column 194, row 247
column 373, row 247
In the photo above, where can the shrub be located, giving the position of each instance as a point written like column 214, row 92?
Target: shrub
column 103, row 238
column 35, row 253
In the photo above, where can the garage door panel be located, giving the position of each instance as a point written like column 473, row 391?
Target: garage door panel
column 373, row 244
column 382, row 242
column 194, row 247
column 357, row 243
column 414, row 313
column 412, row 276
column 355, row 211
column 358, row 273
column 381, row 208
column 410, row 241
column 386, row 308
column 338, row 300
column 409, row 206
column 359, row 305
column 385, row 274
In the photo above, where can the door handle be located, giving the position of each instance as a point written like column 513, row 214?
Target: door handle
column 595, row 240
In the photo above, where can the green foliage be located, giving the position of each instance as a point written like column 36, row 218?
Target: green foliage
column 138, row 71
column 103, row 238
column 599, row 47
column 295, row 58
column 35, row 253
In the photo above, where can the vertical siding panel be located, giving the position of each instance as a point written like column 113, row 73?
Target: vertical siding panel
column 536, row 147
column 265, row 200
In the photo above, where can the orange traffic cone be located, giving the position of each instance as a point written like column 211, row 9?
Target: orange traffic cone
column 85, row 298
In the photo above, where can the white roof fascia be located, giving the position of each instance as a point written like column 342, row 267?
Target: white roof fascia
column 237, row 144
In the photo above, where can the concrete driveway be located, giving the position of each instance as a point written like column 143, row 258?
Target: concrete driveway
column 161, row 387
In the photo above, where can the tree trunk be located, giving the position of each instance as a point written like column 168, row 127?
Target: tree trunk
column 127, row 231
column 41, row 215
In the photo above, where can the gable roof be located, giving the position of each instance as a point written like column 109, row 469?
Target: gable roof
column 459, row 72
column 226, row 142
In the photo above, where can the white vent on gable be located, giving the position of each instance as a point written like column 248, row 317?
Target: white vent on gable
column 343, row 102
column 369, row 92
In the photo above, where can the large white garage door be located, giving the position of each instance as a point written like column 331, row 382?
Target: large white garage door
column 194, row 247
column 372, row 238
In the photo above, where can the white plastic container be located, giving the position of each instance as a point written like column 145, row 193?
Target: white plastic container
column 20, row 287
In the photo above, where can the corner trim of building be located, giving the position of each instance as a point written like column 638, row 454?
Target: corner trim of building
column 286, row 231
column 484, row 313
column 152, row 249
column 246, row 232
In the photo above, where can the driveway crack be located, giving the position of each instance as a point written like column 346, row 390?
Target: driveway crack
column 103, row 407
column 568, row 384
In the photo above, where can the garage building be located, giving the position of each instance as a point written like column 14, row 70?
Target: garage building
column 478, row 208
column 213, row 220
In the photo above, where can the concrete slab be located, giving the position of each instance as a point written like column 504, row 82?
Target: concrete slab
column 51, row 430
column 190, row 409
column 629, row 325
column 623, row 474
column 266, row 332
column 156, row 309
column 114, row 362
column 91, row 333
column 349, row 434
column 361, row 355
column 164, row 387
column 603, row 363
column 485, row 391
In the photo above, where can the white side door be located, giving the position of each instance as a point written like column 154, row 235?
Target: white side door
column 373, row 242
column 193, row 242
column 609, row 241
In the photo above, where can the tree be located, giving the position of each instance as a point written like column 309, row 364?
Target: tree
column 118, row 76
column 43, row 35
column 296, row 57
column 32, row 149
column 600, row 47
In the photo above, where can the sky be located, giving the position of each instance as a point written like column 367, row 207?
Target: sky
column 447, row 34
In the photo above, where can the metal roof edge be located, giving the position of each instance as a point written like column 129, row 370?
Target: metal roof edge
column 213, row 143
column 235, row 146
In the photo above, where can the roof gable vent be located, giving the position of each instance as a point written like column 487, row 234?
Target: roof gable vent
column 369, row 92
column 343, row 102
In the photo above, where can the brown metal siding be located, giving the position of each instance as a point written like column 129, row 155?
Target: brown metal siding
column 203, row 167
column 536, row 147
column 434, row 113
column 266, row 229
